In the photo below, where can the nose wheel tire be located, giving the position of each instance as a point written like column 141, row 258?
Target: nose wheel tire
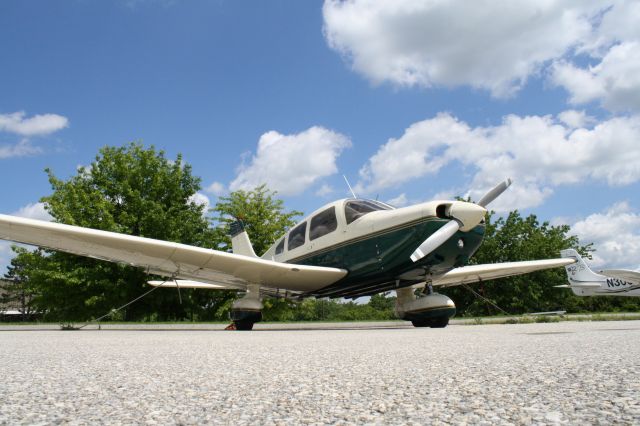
column 437, row 322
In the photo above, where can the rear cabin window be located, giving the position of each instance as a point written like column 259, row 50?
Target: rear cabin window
column 355, row 209
column 323, row 223
column 296, row 236
column 280, row 247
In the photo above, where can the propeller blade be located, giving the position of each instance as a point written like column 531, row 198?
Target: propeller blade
column 435, row 240
column 494, row 193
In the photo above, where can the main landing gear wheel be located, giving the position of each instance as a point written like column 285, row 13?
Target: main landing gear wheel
column 437, row 322
column 243, row 325
column 244, row 319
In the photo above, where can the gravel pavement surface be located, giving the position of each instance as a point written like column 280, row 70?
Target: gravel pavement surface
column 556, row 373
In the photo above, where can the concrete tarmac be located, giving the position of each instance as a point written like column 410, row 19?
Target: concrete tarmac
column 380, row 373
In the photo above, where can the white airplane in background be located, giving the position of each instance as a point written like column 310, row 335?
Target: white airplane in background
column 348, row 248
column 612, row 282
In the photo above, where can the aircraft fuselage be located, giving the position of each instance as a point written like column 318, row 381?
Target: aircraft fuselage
column 376, row 247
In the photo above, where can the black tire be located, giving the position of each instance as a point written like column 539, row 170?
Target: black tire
column 437, row 322
column 440, row 322
column 244, row 325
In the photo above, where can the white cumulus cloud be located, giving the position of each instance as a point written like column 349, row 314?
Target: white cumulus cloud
column 33, row 211
column 614, row 81
column 201, row 200
column 399, row 201
column 487, row 44
column 21, row 149
column 216, row 188
column 292, row 163
column 591, row 48
column 37, row 125
column 325, row 190
column 538, row 152
column 575, row 119
column 30, row 211
column 615, row 234
column 611, row 76
column 19, row 124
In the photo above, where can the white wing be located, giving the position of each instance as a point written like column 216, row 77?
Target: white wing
column 623, row 274
column 475, row 273
column 168, row 258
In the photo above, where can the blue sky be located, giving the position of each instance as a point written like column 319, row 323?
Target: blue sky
column 411, row 100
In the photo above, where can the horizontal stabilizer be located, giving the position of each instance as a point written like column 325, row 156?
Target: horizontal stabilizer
column 623, row 274
column 581, row 285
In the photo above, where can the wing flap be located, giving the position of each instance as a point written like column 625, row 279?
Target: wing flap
column 475, row 273
column 167, row 258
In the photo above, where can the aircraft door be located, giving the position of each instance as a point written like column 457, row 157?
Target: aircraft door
column 324, row 237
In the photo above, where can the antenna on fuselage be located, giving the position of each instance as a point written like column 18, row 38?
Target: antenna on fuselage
column 350, row 189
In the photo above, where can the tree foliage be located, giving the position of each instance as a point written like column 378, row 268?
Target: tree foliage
column 379, row 307
column 132, row 190
column 265, row 220
column 263, row 215
column 18, row 290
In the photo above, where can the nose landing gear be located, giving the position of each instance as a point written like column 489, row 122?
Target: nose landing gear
column 432, row 310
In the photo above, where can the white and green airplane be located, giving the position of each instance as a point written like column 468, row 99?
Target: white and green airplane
column 349, row 248
column 611, row 282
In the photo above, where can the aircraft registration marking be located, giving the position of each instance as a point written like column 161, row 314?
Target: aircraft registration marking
column 615, row 282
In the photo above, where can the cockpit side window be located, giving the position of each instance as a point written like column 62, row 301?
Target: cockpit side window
column 355, row 209
column 280, row 247
column 296, row 236
column 323, row 223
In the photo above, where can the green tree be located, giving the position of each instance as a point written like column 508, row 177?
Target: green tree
column 17, row 289
column 381, row 302
column 265, row 220
column 263, row 215
column 132, row 190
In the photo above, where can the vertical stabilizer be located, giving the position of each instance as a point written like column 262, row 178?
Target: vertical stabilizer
column 579, row 274
column 240, row 242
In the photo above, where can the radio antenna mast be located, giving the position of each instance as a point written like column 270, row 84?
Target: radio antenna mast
column 350, row 189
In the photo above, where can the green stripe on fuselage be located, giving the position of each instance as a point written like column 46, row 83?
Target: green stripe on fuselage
column 383, row 256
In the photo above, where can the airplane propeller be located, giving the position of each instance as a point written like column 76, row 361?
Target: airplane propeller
column 494, row 193
column 464, row 216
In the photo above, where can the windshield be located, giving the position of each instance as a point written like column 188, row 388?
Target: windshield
column 355, row 209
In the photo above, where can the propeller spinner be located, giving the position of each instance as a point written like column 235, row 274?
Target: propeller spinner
column 465, row 216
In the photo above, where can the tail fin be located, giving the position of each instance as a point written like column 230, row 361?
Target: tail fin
column 579, row 274
column 240, row 242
